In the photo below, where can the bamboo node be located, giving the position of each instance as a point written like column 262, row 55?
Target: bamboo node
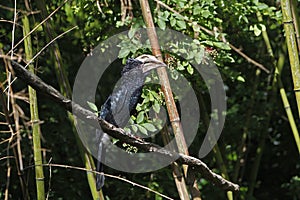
column 288, row 22
column 287, row 107
column 297, row 89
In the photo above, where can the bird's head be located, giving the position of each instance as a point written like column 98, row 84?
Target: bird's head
column 145, row 62
column 150, row 62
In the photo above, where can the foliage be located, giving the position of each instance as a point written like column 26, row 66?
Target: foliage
column 213, row 24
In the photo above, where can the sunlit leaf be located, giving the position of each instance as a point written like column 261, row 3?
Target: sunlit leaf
column 222, row 45
column 92, row 106
column 140, row 117
column 161, row 23
column 240, row 78
column 156, row 107
column 190, row 69
column 142, row 129
column 149, row 127
column 134, row 128
column 181, row 24
column 123, row 52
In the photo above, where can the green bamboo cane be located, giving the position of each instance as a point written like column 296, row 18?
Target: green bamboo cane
column 65, row 89
column 296, row 21
column 36, row 131
column 292, row 47
column 277, row 80
column 262, row 140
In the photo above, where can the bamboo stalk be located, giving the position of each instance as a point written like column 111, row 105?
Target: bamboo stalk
column 277, row 80
column 296, row 21
column 170, row 103
column 36, row 132
column 65, row 89
column 292, row 48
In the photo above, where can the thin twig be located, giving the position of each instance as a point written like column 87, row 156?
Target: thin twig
column 38, row 53
column 19, row 10
column 8, row 21
column 249, row 59
column 107, row 175
column 37, row 26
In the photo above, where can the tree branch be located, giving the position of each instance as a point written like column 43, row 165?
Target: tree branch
column 36, row 83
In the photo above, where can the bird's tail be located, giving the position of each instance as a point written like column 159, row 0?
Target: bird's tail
column 103, row 143
column 100, row 158
column 99, row 177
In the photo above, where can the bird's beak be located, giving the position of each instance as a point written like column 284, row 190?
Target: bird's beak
column 150, row 62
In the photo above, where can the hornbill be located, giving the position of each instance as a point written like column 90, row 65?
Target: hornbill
column 116, row 109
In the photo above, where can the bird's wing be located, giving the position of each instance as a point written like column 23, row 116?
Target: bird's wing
column 105, row 108
column 120, row 100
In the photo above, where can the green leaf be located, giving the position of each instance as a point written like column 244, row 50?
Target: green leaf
column 130, row 121
column 263, row 27
column 142, row 129
column 181, row 24
column 131, row 33
column 199, row 56
column 138, row 107
column 257, row 31
column 114, row 140
column 92, row 106
column 155, row 95
column 262, row 6
column 180, row 67
column 205, row 13
column 222, row 45
column 149, row 127
column 156, row 106
column 140, row 117
column 161, row 23
column 172, row 21
column 197, row 10
column 166, row 14
column 127, row 130
column 190, row 69
column 134, row 128
column 146, row 98
column 151, row 98
column 196, row 27
column 123, row 52
column 181, row 4
column 240, row 78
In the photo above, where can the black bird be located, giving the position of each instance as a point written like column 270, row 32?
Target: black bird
column 116, row 109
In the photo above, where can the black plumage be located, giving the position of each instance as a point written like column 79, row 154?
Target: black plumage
column 116, row 109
